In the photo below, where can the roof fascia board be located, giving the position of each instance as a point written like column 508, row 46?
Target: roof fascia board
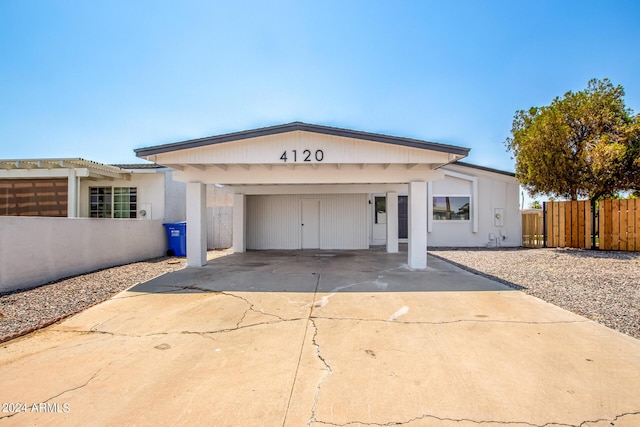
column 42, row 173
column 483, row 168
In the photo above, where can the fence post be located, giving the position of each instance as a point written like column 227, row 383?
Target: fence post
column 594, row 220
column 544, row 224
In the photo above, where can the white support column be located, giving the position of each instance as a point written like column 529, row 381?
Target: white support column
column 72, row 194
column 239, row 223
column 392, row 222
column 417, row 224
column 196, row 224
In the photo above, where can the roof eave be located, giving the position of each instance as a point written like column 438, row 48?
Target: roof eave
column 484, row 168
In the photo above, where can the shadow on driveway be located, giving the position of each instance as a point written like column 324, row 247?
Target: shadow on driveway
column 371, row 270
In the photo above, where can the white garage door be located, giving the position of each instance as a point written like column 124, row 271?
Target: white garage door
column 332, row 221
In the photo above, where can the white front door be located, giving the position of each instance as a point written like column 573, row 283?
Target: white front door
column 310, row 223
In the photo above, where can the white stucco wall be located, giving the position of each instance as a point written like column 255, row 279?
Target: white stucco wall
column 151, row 193
column 219, row 227
column 175, row 200
column 37, row 250
column 495, row 191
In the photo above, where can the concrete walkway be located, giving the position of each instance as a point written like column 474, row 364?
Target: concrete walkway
column 317, row 338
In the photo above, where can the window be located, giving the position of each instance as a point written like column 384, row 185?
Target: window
column 403, row 217
column 451, row 208
column 381, row 210
column 113, row 202
column 125, row 202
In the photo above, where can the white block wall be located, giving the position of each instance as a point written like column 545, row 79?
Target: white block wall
column 37, row 250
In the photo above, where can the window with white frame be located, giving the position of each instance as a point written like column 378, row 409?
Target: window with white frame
column 113, row 202
column 451, row 208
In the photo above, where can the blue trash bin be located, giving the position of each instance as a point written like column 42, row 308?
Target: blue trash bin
column 177, row 237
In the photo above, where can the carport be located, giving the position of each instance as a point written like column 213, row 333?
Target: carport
column 304, row 186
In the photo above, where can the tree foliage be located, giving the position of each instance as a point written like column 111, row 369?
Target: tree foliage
column 585, row 144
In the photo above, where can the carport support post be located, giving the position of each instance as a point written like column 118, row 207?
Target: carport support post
column 392, row 222
column 239, row 223
column 196, row 224
column 417, row 224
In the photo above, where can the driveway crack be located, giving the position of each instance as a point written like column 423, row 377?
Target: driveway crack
column 217, row 331
column 612, row 421
column 446, row 322
column 479, row 422
column 327, row 369
column 304, row 338
column 59, row 394
column 251, row 307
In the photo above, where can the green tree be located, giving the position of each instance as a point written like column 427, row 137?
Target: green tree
column 535, row 205
column 585, row 144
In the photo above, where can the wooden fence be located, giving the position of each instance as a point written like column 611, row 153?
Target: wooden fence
column 571, row 223
column 619, row 222
column 532, row 229
column 33, row 197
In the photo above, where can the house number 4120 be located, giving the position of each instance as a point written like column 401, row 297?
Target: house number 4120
column 306, row 156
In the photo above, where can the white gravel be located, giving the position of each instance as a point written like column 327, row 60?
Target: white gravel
column 603, row 286
column 25, row 311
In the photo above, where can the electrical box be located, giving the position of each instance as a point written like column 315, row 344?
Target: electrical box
column 498, row 217
column 144, row 211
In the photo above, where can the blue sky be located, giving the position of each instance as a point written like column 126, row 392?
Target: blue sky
column 96, row 79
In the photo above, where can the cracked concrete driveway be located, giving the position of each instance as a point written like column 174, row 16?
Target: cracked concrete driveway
column 317, row 338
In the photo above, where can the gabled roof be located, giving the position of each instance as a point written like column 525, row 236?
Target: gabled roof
column 305, row 127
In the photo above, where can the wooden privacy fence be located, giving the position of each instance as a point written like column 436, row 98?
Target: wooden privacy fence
column 568, row 224
column 33, row 197
column 532, row 229
column 620, row 225
column 615, row 225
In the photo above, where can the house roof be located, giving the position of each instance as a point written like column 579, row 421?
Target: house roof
column 138, row 166
column 305, row 127
column 10, row 167
column 484, row 168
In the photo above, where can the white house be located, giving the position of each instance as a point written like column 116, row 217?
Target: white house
column 494, row 218
column 305, row 186
column 79, row 188
column 62, row 217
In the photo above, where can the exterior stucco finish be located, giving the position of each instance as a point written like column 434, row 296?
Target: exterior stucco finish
column 495, row 191
column 37, row 250
column 151, row 193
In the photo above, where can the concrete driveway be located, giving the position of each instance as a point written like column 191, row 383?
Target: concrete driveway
column 317, row 338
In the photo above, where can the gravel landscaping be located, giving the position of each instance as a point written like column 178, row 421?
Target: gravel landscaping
column 27, row 310
column 603, row 286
